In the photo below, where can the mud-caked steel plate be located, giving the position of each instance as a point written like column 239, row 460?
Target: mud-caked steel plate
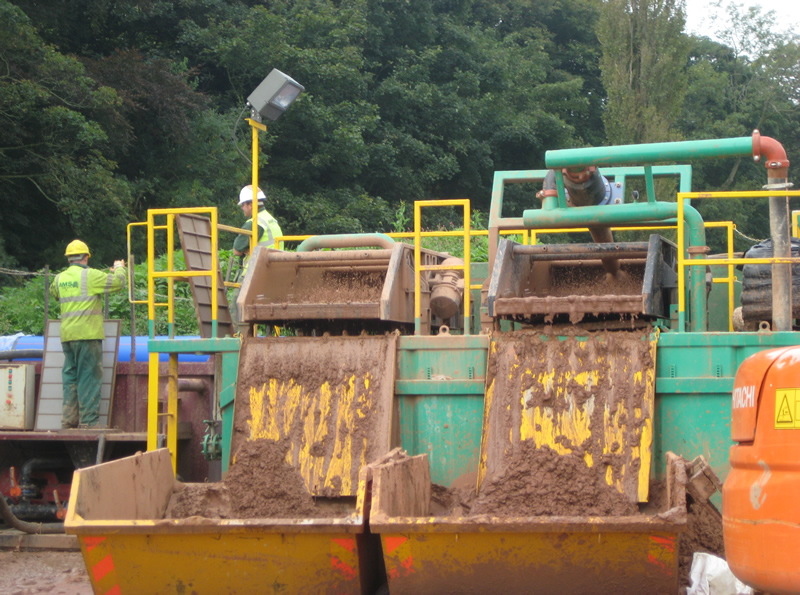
column 575, row 305
column 330, row 397
column 589, row 395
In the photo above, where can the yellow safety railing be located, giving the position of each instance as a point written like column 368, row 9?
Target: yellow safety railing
column 683, row 262
column 795, row 227
column 729, row 225
column 731, row 278
column 172, row 275
column 418, row 268
column 535, row 233
column 131, row 295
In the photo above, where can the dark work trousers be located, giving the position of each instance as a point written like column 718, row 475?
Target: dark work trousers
column 82, row 377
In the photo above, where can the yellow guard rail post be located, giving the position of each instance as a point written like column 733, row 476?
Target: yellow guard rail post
column 699, row 259
column 729, row 225
column 418, row 268
column 731, row 278
column 473, row 233
column 171, row 275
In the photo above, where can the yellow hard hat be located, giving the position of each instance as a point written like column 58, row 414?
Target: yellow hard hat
column 76, row 247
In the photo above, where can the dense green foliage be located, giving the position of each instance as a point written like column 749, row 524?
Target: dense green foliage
column 643, row 46
column 112, row 108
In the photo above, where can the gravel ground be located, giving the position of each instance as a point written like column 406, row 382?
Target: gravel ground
column 27, row 572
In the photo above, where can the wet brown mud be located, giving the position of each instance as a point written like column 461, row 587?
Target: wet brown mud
column 261, row 484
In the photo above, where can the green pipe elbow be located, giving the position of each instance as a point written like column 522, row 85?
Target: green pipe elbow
column 354, row 240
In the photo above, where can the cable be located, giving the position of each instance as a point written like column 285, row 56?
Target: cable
column 233, row 135
column 19, row 273
column 746, row 237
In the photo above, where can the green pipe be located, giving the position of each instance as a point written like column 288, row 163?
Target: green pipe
column 605, row 215
column 649, row 153
column 624, row 214
column 697, row 275
column 354, row 240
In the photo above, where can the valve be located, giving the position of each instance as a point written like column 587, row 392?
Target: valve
column 61, row 512
column 212, row 441
column 447, row 290
column 15, row 491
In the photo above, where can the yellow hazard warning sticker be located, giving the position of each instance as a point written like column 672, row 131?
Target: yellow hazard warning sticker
column 787, row 409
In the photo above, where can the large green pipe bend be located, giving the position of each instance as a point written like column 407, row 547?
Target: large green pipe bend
column 354, row 240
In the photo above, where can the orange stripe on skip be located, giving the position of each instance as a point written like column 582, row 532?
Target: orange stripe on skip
column 102, row 568
column 392, row 543
column 92, row 542
column 402, row 568
column 348, row 544
column 667, row 543
column 344, row 569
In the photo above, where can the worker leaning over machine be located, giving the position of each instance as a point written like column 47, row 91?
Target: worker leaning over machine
column 268, row 230
column 583, row 188
column 79, row 289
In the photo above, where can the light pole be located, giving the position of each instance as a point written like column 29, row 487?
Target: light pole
column 269, row 100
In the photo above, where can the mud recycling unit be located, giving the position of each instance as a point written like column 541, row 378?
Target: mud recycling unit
column 527, row 424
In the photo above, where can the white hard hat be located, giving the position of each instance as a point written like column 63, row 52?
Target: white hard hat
column 246, row 194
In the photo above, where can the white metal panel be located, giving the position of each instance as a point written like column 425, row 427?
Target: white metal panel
column 48, row 421
column 48, row 416
column 49, row 407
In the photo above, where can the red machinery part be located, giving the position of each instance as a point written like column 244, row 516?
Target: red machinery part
column 9, row 486
column 760, row 512
column 773, row 152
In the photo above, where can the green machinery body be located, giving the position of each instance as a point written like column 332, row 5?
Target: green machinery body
column 440, row 380
column 439, row 392
column 444, row 400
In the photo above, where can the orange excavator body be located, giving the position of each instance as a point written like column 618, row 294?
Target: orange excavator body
column 761, row 496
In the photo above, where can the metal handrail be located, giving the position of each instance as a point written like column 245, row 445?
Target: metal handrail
column 418, row 268
column 171, row 275
column 131, row 278
column 700, row 260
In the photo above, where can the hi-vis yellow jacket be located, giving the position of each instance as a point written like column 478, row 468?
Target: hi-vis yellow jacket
column 272, row 230
column 80, row 291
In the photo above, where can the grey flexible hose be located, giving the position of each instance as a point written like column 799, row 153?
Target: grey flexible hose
column 24, row 526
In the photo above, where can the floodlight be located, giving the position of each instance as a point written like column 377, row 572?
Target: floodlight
column 274, row 95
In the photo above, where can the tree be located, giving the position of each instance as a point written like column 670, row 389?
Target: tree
column 643, row 68
column 403, row 100
column 55, row 180
column 745, row 81
column 154, row 124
